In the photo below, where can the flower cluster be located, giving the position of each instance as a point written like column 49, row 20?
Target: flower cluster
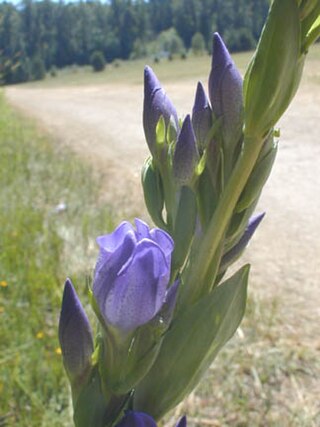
column 163, row 305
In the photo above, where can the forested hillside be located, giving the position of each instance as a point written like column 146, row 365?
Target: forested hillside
column 36, row 36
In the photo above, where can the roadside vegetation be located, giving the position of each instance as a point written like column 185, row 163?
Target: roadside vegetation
column 49, row 217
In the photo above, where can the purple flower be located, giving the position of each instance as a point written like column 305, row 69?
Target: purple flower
column 140, row 419
column 225, row 89
column 186, row 154
column 156, row 104
column 201, row 115
column 137, row 419
column 75, row 333
column 132, row 275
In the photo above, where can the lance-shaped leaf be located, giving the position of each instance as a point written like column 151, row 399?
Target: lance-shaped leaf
column 191, row 345
column 225, row 92
column 274, row 73
column 186, row 154
column 184, row 227
column 201, row 116
column 234, row 253
column 156, row 104
column 75, row 337
column 258, row 177
column 93, row 409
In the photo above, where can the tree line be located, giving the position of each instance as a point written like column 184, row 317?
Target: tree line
column 37, row 36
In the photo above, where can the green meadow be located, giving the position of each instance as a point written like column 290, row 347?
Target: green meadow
column 49, row 217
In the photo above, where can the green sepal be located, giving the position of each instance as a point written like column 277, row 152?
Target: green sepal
column 124, row 361
column 153, row 192
column 161, row 131
column 91, row 408
column 257, row 179
column 273, row 75
column 313, row 34
column 191, row 344
column 184, row 226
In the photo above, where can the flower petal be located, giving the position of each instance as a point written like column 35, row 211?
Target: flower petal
column 138, row 292
column 165, row 242
column 137, row 419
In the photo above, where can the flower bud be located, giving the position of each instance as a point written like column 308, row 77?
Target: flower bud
column 156, row 105
column 225, row 92
column 201, row 116
column 140, row 419
column 137, row 419
column 186, row 154
column 75, row 335
column 234, row 253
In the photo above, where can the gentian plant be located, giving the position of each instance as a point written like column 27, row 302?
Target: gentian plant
column 163, row 305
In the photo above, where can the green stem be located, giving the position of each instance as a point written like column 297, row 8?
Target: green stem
column 220, row 220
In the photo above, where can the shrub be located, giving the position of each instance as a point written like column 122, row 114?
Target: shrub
column 198, row 44
column 38, row 69
column 98, row 61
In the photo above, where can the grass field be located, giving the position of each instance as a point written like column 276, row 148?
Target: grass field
column 48, row 218
column 131, row 72
column 268, row 375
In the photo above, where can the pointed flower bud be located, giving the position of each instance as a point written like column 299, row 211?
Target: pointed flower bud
column 132, row 274
column 201, row 115
column 75, row 334
column 156, row 104
column 225, row 91
column 234, row 253
column 186, row 154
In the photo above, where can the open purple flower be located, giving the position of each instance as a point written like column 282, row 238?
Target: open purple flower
column 156, row 104
column 132, row 275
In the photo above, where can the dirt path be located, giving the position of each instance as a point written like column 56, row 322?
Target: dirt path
column 103, row 124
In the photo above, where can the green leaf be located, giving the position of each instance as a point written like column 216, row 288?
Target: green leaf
column 257, row 179
column 274, row 73
column 191, row 345
column 161, row 131
column 184, row 226
column 90, row 408
column 313, row 34
column 153, row 192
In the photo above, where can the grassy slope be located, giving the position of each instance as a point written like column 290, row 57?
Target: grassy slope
column 38, row 248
